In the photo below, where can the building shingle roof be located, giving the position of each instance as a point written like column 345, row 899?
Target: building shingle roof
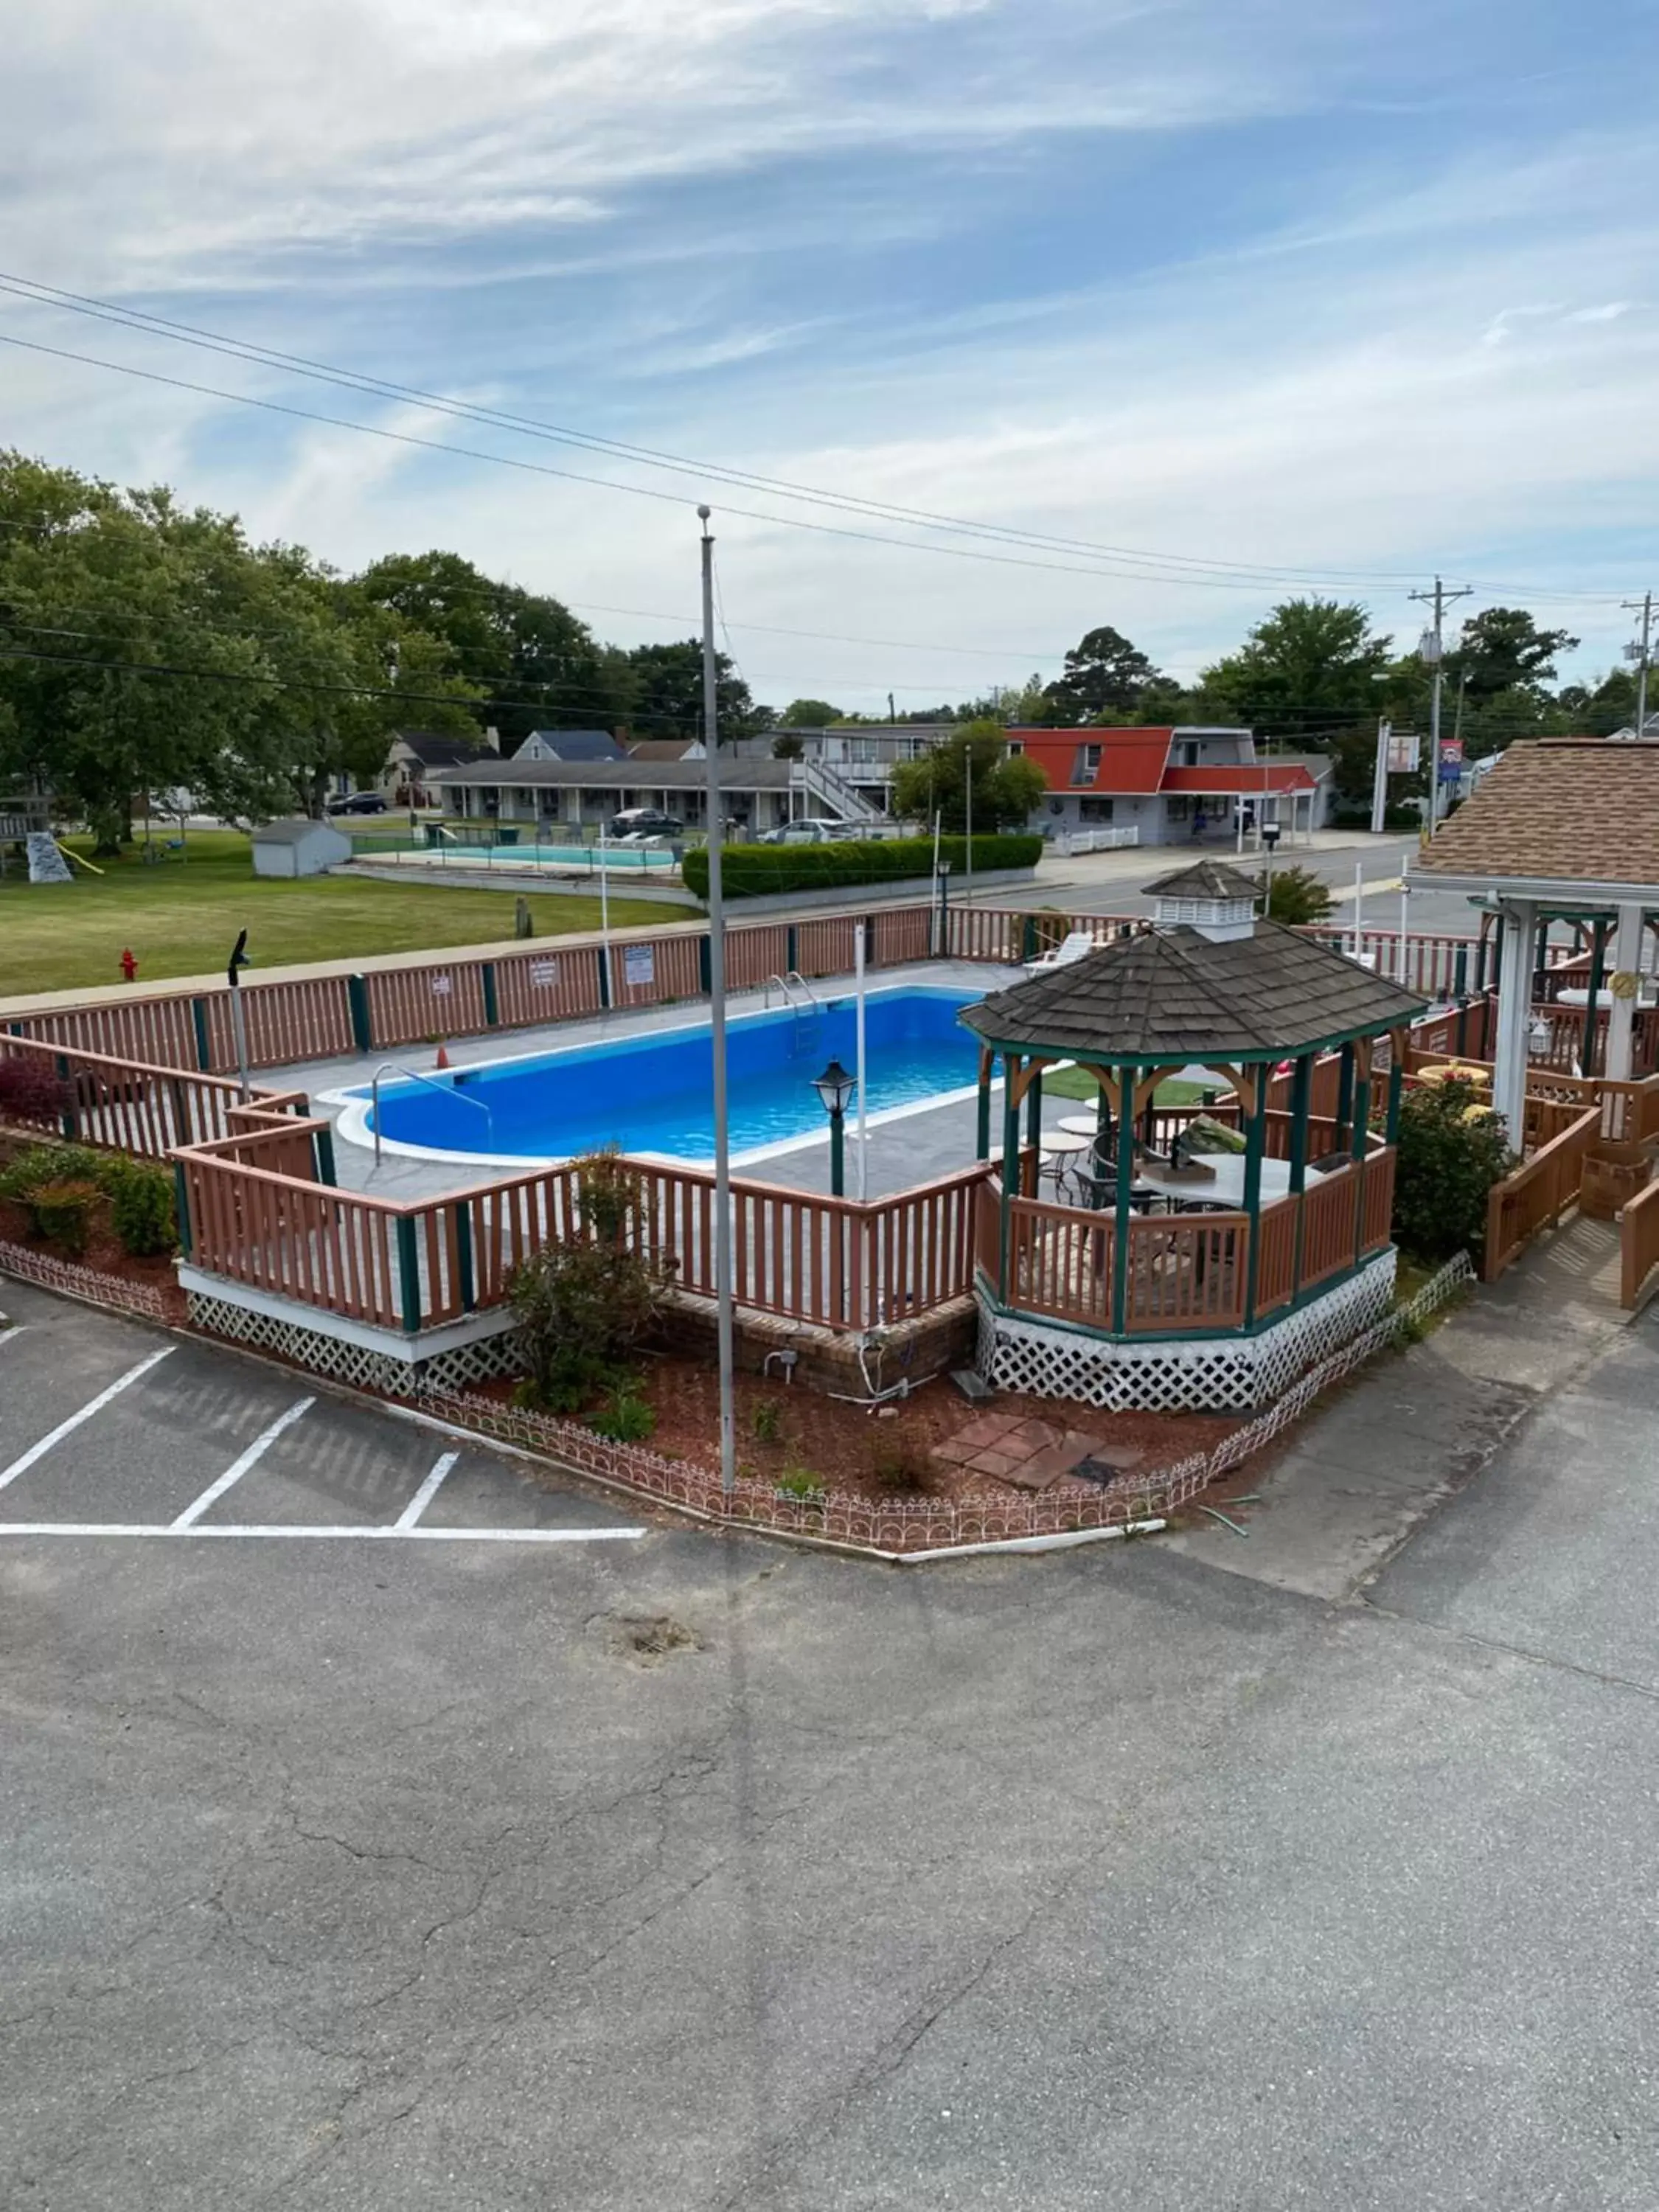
column 1574, row 809
column 1174, row 995
column 624, row 775
column 434, row 752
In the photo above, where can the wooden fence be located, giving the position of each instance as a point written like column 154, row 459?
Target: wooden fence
column 1538, row 1193
column 1638, row 1237
column 1186, row 1274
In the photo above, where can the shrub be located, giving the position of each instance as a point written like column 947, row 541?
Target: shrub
column 626, row 1420
column 748, row 870
column 1297, row 895
column 45, row 1163
column 61, row 1213
column 801, row 1483
column 141, row 1207
column 1448, row 1160
column 583, row 1305
column 766, row 1422
column 899, row 1464
column 32, row 1092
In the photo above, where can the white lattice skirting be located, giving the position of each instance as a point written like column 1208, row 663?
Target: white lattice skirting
column 1215, row 1375
column 386, row 1367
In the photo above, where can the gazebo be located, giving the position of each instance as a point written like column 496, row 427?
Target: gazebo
column 1182, row 1278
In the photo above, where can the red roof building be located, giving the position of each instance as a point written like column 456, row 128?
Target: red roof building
column 1171, row 786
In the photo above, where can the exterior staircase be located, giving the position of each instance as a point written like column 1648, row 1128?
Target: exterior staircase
column 830, row 790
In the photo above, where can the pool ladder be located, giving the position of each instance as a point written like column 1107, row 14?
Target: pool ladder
column 449, row 1091
column 799, row 993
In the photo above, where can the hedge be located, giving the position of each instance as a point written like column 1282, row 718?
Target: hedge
column 748, row 870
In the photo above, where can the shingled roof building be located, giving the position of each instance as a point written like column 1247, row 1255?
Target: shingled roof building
column 1188, row 1279
column 1562, row 828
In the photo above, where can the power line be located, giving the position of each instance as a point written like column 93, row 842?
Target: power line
column 148, row 324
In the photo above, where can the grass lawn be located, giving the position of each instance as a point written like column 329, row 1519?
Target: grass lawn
column 181, row 917
column 1077, row 1082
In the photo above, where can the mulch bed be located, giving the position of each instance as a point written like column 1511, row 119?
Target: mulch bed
column 104, row 1254
column 887, row 1452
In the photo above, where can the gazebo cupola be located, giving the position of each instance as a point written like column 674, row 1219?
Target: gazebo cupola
column 1171, row 1269
column 1220, row 903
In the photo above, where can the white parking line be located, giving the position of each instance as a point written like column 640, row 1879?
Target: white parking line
column 391, row 1533
column 428, row 1490
column 238, row 1467
column 95, row 1405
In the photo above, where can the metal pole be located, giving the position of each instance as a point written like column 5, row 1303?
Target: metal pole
column 605, row 915
column 238, row 1020
column 717, row 1023
column 837, row 1152
column 1358, row 907
column 1380, row 778
column 858, row 928
column 1645, row 604
column 968, row 817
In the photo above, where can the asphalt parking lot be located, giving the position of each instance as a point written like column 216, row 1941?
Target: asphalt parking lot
column 354, row 1871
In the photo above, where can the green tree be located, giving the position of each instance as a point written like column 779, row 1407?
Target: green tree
column 969, row 771
column 1103, row 679
column 808, row 715
column 529, row 662
column 1503, row 649
column 1597, row 710
column 667, row 681
column 1295, row 896
column 1310, row 668
column 1452, row 1150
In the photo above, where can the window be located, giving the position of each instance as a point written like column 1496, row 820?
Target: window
column 1086, row 767
column 1178, row 809
column 1094, row 809
column 1189, row 752
column 1016, row 747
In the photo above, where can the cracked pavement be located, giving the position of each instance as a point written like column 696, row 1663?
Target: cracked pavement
column 336, row 1878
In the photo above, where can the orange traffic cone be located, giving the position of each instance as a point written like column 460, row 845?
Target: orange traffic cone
column 442, row 1060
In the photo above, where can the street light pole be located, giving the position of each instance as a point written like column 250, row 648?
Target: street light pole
column 717, row 1002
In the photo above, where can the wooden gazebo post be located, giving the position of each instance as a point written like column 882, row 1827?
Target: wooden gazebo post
column 1128, row 1075
column 1010, row 1066
column 1255, row 1134
column 1301, row 1101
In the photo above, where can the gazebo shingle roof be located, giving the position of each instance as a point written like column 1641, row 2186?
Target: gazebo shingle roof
column 1206, row 879
column 1172, row 995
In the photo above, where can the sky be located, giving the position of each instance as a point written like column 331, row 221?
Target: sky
column 1237, row 298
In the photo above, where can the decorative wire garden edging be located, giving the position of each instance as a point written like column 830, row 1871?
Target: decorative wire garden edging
column 90, row 1284
column 907, row 1525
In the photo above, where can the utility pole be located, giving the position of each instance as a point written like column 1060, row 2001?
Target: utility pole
column 892, row 711
column 1640, row 655
column 717, row 1003
column 1433, row 650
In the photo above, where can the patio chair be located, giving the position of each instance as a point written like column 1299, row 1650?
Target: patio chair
column 1076, row 946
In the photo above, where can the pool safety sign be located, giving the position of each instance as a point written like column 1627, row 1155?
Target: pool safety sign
column 638, row 965
column 544, row 973
column 441, row 987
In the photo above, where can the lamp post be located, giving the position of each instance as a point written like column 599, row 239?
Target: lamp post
column 836, row 1087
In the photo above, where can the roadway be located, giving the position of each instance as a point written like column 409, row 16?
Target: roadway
column 353, row 1871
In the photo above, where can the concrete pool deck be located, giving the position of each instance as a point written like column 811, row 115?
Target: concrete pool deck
column 907, row 1145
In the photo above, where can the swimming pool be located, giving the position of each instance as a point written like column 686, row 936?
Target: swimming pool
column 652, row 1093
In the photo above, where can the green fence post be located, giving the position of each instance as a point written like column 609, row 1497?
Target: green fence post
column 203, row 1043
column 705, row 967
column 1127, row 1078
column 181, row 1208
column 791, row 950
column 603, row 966
column 408, row 1275
column 492, row 1005
column 362, row 1028
column 464, row 1254
column 322, row 1146
column 72, row 1111
column 1028, row 937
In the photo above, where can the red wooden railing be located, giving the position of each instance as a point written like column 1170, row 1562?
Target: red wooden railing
column 1537, row 1194
column 1639, row 1238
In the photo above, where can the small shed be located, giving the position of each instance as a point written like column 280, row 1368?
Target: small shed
column 298, row 848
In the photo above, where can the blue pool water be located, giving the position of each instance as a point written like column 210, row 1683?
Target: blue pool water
column 652, row 1094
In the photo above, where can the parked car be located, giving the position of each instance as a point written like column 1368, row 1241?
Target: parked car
column 812, row 829
column 360, row 802
column 636, row 822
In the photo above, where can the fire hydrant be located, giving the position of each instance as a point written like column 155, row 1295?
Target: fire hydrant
column 129, row 965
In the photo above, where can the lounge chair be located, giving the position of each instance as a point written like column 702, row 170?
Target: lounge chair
column 1075, row 947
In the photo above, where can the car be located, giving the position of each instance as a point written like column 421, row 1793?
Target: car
column 812, row 829
column 644, row 822
column 360, row 802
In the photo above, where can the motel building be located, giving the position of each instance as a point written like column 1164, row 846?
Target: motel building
column 1171, row 786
